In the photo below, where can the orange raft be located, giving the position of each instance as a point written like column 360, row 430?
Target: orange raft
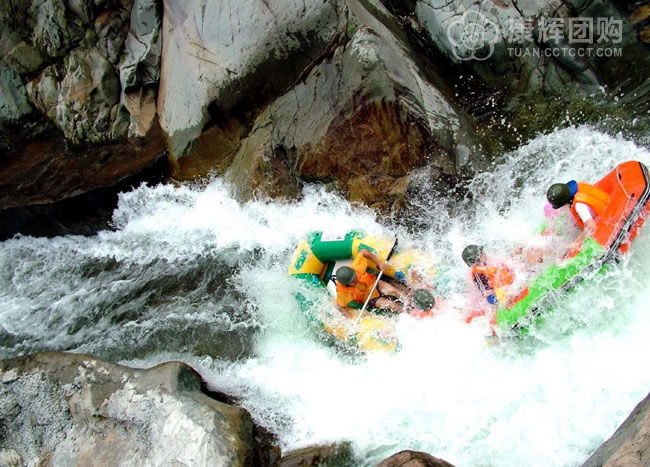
column 628, row 188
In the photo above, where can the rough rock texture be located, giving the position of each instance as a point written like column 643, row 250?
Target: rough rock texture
column 518, row 65
column 357, row 93
column 237, row 55
column 70, row 409
column 413, row 459
column 330, row 455
column 629, row 446
column 548, row 63
column 361, row 111
column 64, row 114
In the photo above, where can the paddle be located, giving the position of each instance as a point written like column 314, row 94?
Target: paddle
column 374, row 286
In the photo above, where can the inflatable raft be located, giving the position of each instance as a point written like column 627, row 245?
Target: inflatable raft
column 314, row 262
column 626, row 209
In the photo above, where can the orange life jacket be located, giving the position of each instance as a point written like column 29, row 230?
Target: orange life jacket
column 358, row 292
column 498, row 276
column 593, row 197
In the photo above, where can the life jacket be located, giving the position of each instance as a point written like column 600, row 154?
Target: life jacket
column 593, row 197
column 355, row 295
column 497, row 276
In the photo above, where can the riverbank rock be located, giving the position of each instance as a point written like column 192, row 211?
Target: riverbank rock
column 315, row 456
column 70, row 409
column 360, row 112
column 357, row 94
column 629, row 446
column 413, row 459
column 527, row 64
column 68, row 125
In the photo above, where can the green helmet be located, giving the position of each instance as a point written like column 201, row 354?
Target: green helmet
column 558, row 194
column 345, row 275
column 423, row 299
column 472, row 254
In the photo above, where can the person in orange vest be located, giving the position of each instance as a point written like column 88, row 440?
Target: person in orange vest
column 354, row 283
column 587, row 203
column 489, row 278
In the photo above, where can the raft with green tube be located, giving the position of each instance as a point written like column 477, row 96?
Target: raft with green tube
column 314, row 262
column 628, row 189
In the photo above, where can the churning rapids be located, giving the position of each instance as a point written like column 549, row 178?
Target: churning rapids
column 190, row 274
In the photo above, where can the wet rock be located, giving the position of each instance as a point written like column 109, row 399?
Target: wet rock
column 141, row 64
column 140, row 68
column 331, row 455
column 69, row 133
column 237, row 55
column 87, row 107
column 363, row 118
column 14, row 103
column 64, row 409
column 413, row 459
column 629, row 446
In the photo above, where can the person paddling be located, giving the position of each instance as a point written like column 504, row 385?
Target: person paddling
column 489, row 278
column 587, row 203
column 354, row 283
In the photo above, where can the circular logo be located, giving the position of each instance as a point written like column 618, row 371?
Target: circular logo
column 473, row 36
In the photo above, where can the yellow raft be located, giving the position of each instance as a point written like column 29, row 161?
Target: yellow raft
column 314, row 262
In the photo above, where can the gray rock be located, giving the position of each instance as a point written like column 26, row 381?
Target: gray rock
column 490, row 54
column 14, row 102
column 111, row 29
column 50, row 34
column 141, row 64
column 87, row 95
column 67, row 409
column 413, row 459
column 233, row 53
column 629, row 446
column 365, row 117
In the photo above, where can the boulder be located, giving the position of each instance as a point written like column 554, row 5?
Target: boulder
column 334, row 454
column 71, row 409
column 68, row 124
column 14, row 103
column 364, row 117
column 221, row 60
column 629, row 446
column 140, row 68
column 413, row 459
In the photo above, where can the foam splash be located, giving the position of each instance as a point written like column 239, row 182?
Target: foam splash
column 191, row 274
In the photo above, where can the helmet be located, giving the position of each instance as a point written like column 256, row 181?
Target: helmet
column 345, row 275
column 558, row 194
column 423, row 299
column 472, row 254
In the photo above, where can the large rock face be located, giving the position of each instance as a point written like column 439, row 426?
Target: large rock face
column 354, row 92
column 529, row 54
column 364, row 117
column 69, row 409
column 224, row 58
column 630, row 445
column 64, row 113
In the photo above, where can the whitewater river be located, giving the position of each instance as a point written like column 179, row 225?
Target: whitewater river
column 190, row 274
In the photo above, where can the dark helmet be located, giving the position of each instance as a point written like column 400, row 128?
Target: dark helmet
column 423, row 299
column 472, row 254
column 558, row 194
column 345, row 275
